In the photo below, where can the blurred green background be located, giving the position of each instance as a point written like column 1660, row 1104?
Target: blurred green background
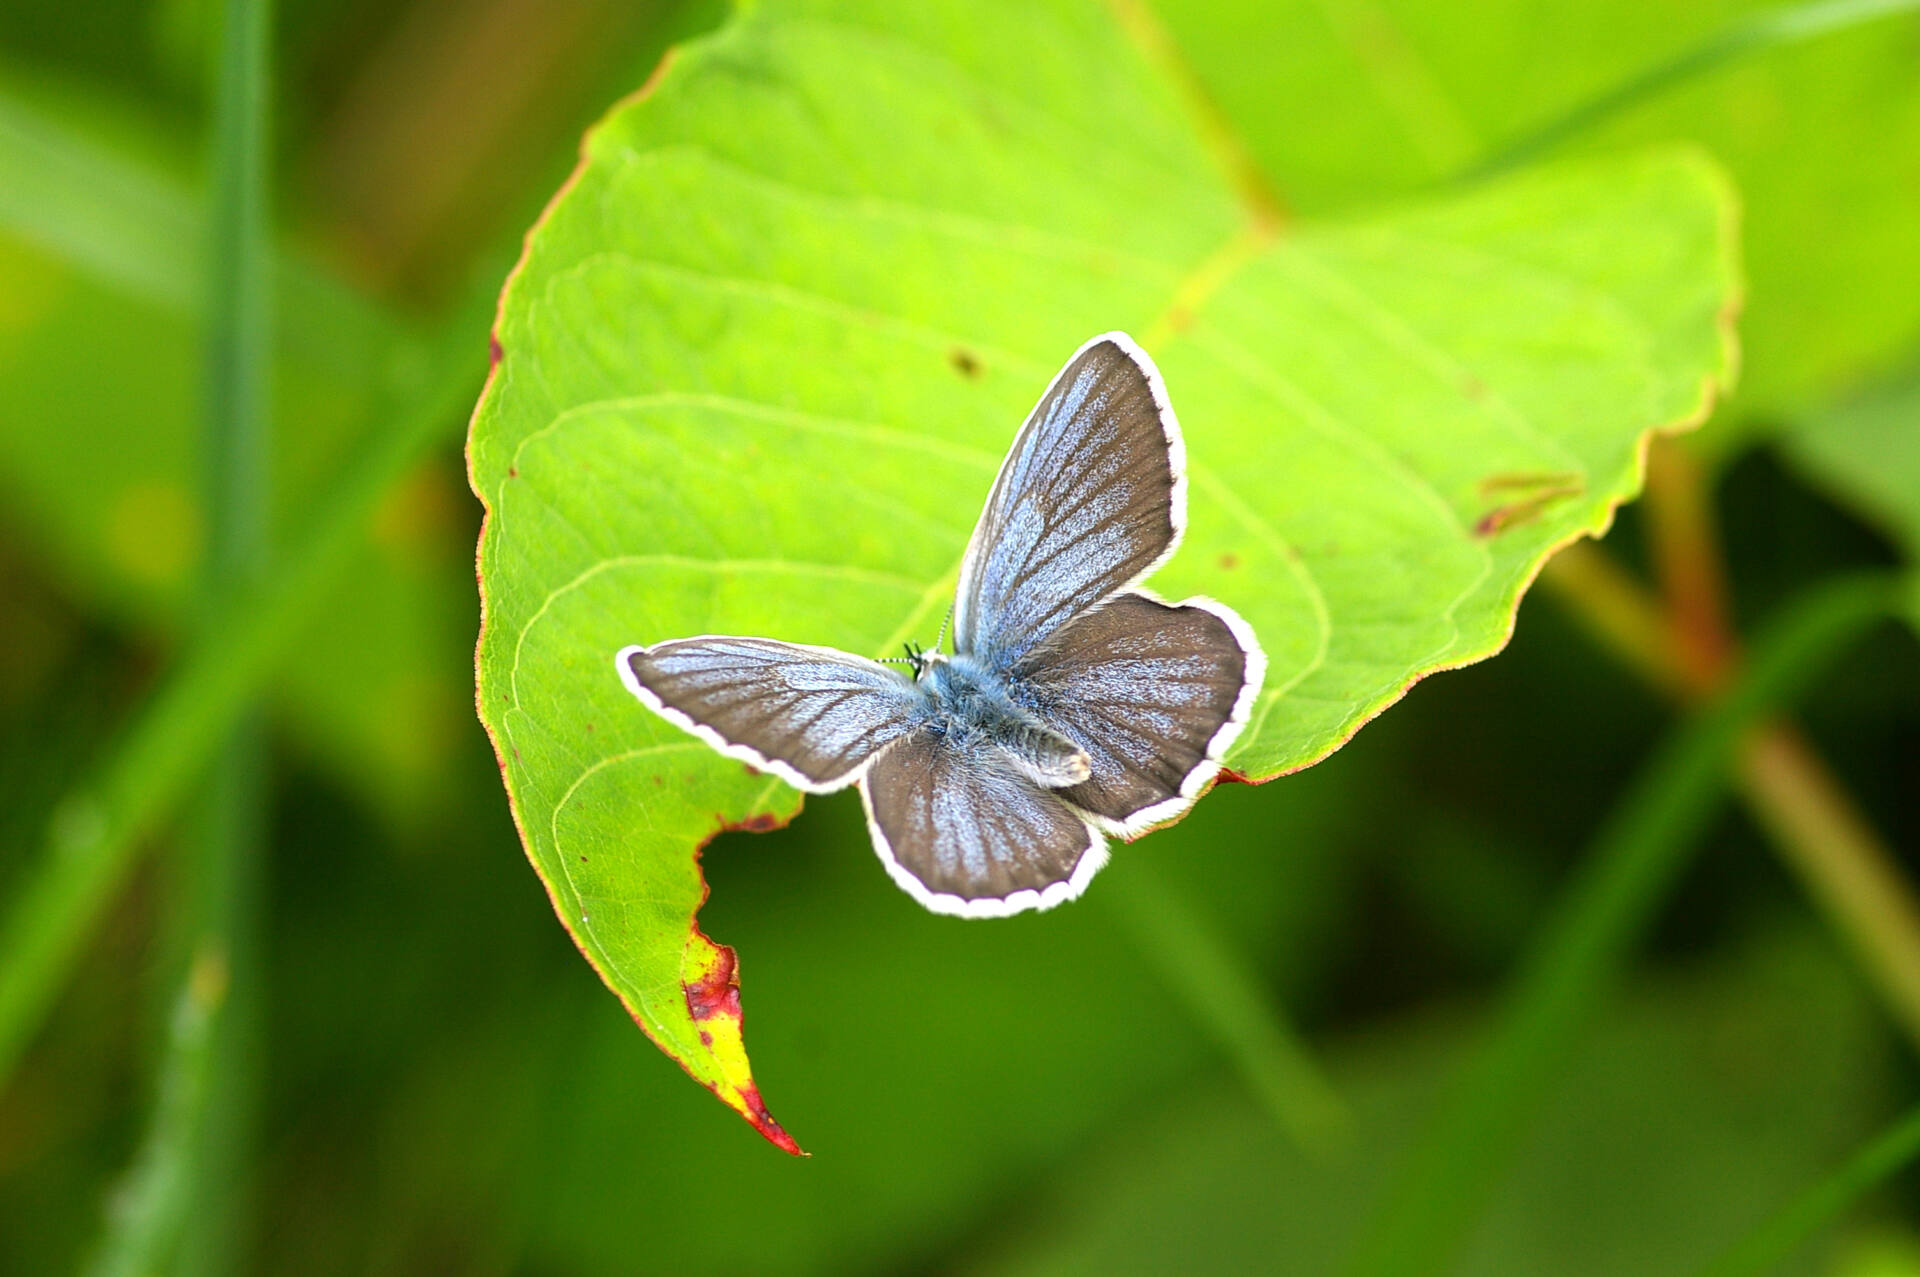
column 433, row 1082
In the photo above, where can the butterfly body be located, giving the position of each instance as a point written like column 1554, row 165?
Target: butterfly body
column 1074, row 706
column 974, row 707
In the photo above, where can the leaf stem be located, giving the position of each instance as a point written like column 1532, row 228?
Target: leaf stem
column 1635, row 858
column 1764, row 1249
column 1689, row 565
column 1841, row 861
column 1618, row 612
column 1226, row 1000
column 1813, row 824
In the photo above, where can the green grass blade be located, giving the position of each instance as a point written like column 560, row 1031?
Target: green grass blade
column 1633, row 862
column 1771, row 1243
column 1755, row 33
column 190, row 1165
column 96, row 829
column 1226, row 1001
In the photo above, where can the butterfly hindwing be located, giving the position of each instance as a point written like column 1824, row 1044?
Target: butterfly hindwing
column 967, row 834
column 811, row 715
column 1154, row 693
column 1091, row 497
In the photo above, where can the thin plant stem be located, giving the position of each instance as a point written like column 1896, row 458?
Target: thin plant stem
column 190, row 1165
column 1226, row 1001
column 1810, row 820
column 1634, row 860
column 1689, row 564
column 1619, row 613
column 1769, row 1245
column 1849, row 872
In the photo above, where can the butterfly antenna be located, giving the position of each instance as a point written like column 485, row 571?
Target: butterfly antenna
column 945, row 621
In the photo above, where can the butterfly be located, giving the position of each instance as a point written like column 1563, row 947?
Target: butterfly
column 1074, row 705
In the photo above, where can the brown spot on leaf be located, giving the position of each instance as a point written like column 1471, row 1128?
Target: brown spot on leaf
column 718, row 991
column 757, row 824
column 1229, row 561
column 706, row 1038
column 513, row 472
column 1228, row 776
column 1538, row 491
column 494, row 353
column 965, row 362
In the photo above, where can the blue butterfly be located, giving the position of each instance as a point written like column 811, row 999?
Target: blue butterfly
column 1074, row 704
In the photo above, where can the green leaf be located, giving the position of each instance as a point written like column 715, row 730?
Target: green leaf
column 763, row 354
column 1343, row 105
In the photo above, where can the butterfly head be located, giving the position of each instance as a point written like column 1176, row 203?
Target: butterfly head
column 922, row 659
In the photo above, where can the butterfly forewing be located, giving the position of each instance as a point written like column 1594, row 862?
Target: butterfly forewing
column 966, row 834
column 1090, row 499
column 1154, row 692
column 811, row 715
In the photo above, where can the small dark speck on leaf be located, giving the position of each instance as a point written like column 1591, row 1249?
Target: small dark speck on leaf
column 706, row 1038
column 589, row 726
column 494, row 353
column 965, row 362
column 583, row 860
column 751, row 769
column 513, row 472
column 1229, row 561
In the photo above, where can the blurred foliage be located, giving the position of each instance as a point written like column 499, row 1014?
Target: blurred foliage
column 449, row 1090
